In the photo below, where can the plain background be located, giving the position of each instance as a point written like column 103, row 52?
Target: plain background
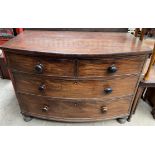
column 77, row 14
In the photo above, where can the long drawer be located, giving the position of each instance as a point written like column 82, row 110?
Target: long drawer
column 45, row 86
column 79, row 110
column 103, row 67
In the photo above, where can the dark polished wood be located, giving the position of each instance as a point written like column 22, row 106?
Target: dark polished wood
column 75, row 76
column 69, row 43
column 87, row 68
column 49, row 67
column 110, row 66
column 73, row 88
column 74, row 110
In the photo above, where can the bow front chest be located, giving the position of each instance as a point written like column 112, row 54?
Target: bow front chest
column 75, row 76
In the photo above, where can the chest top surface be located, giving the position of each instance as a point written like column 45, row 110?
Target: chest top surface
column 76, row 43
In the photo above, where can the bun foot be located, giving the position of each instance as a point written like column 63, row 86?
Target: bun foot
column 27, row 118
column 121, row 120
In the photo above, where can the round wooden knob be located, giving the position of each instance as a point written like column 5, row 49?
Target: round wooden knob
column 45, row 108
column 42, row 87
column 112, row 69
column 75, row 82
column 104, row 109
column 39, row 68
column 108, row 90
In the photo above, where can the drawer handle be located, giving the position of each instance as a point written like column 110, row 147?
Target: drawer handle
column 45, row 108
column 108, row 90
column 104, row 109
column 112, row 69
column 39, row 68
column 42, row 87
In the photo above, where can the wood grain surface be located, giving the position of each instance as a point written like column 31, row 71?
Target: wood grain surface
column 121, row 86
column 74, row 67
column 64, row 75
column 73, row 110
column 51, row 67
column 76, row 43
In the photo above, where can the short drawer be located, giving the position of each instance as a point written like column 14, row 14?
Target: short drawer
column 41, row 65
column 79, row 110
column 39, row 85
column 110, row 67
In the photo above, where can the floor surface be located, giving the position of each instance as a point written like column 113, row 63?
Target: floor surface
column 10, row 113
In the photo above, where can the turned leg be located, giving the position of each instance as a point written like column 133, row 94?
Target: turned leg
column 122, row 120
column 27, row 118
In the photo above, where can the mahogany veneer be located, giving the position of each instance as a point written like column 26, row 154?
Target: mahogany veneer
column 75, row 76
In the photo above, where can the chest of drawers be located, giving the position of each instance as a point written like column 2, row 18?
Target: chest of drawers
column 75, row 76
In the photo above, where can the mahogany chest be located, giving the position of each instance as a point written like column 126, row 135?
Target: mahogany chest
column 75, row 76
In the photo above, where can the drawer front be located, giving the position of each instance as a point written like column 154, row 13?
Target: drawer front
column 110, row 67
column 44, row 86
column 38, row 65
column 74, row 109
